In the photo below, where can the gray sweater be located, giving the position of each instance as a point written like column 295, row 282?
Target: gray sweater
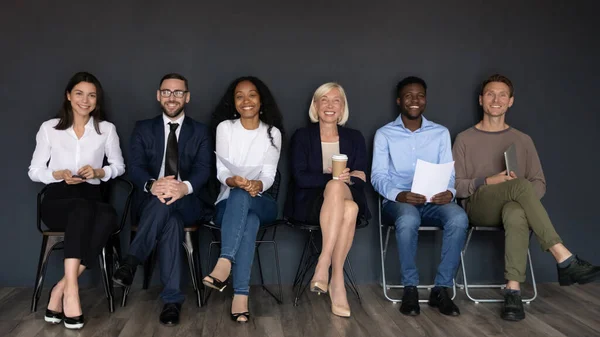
column 480, row 154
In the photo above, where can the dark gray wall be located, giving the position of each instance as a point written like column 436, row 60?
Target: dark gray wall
column 549, row 51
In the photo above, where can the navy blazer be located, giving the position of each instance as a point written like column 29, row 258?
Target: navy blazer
column 307, row 166
column 147, row 148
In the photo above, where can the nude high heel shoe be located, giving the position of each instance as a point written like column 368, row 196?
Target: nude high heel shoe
column 319, row 287
column 338, row 310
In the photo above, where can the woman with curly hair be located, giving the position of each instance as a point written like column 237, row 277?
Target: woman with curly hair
column 248, row 135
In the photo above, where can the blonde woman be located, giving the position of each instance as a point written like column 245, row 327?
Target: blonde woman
column 333, row 204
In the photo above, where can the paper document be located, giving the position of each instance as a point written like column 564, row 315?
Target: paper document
column 248, row 172
column 431, row 179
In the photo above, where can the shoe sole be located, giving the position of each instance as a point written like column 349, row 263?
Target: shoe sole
column 411, row 313
column 433, row 305
column 76, row 326
column 168, row 324
column 52, row 320
column 513, row 318
column 212, row 286
column 318, row 290
column 589, row 279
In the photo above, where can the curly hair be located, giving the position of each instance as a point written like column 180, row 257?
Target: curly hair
column 270, row 115
column 410, row 80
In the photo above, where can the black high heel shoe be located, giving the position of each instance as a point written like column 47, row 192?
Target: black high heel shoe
column 216, row 283
column 235, row 316
column 76, row 322
column 53, row 317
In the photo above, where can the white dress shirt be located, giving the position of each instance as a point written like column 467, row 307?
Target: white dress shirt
column 245, row 148
column 67, row 152
column 166, row 122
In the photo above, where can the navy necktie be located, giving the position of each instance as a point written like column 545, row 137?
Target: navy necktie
column 171, row 158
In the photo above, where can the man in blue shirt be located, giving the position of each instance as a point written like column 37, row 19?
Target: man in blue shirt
column 397, row 147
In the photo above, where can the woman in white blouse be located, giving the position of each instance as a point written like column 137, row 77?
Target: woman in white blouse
column 248, row 142
column 68, row 157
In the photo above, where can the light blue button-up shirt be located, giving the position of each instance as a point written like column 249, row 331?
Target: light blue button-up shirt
column 396, row 150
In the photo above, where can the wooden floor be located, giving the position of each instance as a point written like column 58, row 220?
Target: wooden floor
column 558, row 311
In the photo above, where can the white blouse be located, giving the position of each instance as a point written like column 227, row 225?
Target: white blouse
column 244, row 149
column 66, row 151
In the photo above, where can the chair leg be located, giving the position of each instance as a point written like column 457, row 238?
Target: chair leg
column 48, row 244
column 208, row 291
column 106, row 281
column 125, row 294
column 350, row 275
column 116, row 251
column 309, row 257
column 279, row 296
column 188, row 244
column 299, row 271
column 383, row 247
column 491, row 286
column 198, row 263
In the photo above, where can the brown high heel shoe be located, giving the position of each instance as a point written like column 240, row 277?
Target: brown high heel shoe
column 338, row 310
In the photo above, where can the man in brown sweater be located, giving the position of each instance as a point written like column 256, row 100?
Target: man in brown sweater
column 494, row 197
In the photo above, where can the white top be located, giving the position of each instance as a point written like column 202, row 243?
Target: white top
column 329, row 149
column 167, row 128
column 66, row 152
column 244, row 148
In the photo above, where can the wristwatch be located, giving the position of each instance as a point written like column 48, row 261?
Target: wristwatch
column 148, row 185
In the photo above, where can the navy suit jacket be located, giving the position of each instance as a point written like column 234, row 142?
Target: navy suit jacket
column 307, row 166
column 148, row 147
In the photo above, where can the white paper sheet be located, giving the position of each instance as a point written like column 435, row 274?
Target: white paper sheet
column 431, row 179
column 248, row 172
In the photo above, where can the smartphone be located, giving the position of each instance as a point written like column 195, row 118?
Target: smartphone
column 78, row 176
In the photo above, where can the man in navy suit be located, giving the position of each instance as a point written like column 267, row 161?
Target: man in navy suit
column 170, row 161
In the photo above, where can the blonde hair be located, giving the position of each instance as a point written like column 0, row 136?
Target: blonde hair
column 322, row 91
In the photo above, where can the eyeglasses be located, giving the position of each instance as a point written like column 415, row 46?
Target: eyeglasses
column 177, row 93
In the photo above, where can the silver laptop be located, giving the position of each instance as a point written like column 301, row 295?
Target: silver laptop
column 510, row 159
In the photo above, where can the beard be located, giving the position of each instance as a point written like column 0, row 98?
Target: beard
column 409, row 116
column 175, row 113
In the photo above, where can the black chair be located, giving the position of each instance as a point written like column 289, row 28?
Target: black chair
column 273, row 191
column 192, row 250
column 383, row 244
column 53, row 240
column 310, row 255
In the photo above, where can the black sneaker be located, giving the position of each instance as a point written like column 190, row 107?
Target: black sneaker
column 579, row 271
column 410, row 301
column 440, row 299
column 512, row 310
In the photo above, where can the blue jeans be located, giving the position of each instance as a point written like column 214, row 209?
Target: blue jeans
column 408, row 218
column 239, row 217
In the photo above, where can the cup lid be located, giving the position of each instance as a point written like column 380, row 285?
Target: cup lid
column 339, row 157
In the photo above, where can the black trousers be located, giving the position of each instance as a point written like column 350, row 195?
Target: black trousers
column 80, row 212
